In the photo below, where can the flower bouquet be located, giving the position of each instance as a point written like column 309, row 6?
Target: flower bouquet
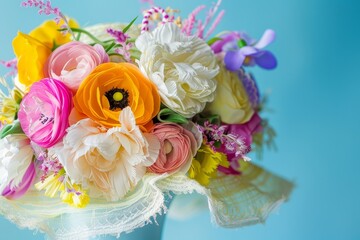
column 99, row 123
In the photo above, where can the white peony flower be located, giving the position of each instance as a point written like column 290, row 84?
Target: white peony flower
column 16, row 156
column 182, row 67
column 107, row 162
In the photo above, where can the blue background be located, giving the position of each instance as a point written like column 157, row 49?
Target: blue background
column 314, row 94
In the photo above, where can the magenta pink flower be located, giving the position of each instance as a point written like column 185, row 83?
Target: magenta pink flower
column 178, row 147
column 245, row 133
column 44, row 112
column 73, row 62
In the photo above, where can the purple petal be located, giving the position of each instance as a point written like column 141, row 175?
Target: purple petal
column 218, row 45
column 254, row 124
column 267, row 38
column 234, row 60
column 230, row 46
column 247, row 38
column 25, row 184
column 228, row 171
column 102, row 53
column 251, row 88
column 266, row 60
column 248, row 50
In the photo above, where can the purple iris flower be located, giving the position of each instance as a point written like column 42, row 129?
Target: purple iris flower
column 241, row 50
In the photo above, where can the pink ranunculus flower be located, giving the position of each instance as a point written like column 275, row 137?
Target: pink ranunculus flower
column 178, row 147
column 17, row 169
column 73, row 62
column 44, row 112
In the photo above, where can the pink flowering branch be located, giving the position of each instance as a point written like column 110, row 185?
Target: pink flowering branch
column 11, row 64
column 191, row 21
column 121, row 38
column 46, row 8
column 150, row 2
column 48, row 165
column 215, row 24
column 214, row 135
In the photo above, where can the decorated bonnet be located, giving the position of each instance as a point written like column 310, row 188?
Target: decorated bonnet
column 100, row 125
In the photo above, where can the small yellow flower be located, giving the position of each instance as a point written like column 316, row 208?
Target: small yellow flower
column 76, row 198
column 8, row 110
column 48, row 33
column 70, row 193
column 9, row 105
column 205, row 163
column 51, row 184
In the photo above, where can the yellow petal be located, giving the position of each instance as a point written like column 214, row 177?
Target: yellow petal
column 31, row 55
column 48, row 33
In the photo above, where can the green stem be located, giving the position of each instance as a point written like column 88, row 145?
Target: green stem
column 79, row 30
column 68, row 25
column 114, row 54
column 132, row 40
column 110, row 47
column 78, row 36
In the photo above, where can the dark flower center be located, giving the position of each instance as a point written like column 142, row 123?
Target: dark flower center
column 118, row 98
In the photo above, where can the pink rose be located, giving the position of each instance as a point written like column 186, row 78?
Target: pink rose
column 73, row 62
column 178, row 147
column 44, row 112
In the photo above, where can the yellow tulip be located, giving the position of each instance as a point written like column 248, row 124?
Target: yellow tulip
column 33, row 50
column 32, row 56
column 48, row 33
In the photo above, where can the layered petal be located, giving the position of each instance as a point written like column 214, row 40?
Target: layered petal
column 44, row 112
column 113, row 86
column 107, row 162
column 16, row 167
column 182, row 67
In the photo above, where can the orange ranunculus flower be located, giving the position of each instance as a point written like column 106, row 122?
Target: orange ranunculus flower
column 31, row 55
column 48, row 33
column 113, row 86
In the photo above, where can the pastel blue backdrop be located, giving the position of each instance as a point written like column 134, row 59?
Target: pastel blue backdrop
column 314, row 95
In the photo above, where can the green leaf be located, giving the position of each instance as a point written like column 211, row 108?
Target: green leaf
column 9, row 129
column 80, row 30
column 128, row 26
column 213, row 40
column 213, row 119
column 110, row 46
column 241, row 43
column 168, row 115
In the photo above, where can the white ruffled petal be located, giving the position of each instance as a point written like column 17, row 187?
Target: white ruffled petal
column 182, row 67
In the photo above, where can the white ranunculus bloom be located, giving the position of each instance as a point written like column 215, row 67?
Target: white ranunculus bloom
column 108, row 162
column 16, row 155
column 182, row 67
